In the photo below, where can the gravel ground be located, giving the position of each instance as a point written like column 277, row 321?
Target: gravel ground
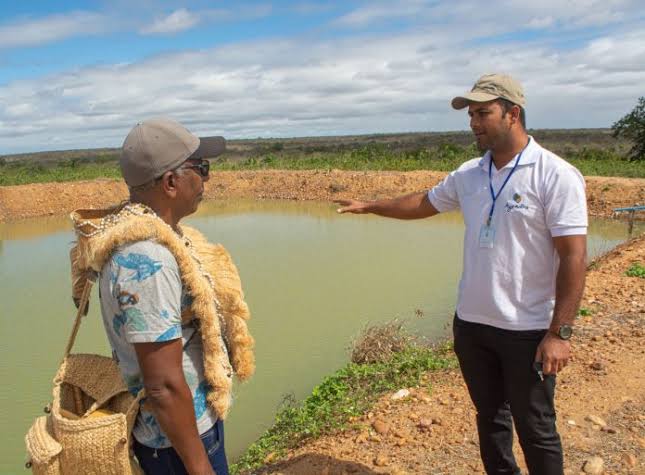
column 600, row 401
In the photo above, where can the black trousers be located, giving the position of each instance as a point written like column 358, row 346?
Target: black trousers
column 497, row 366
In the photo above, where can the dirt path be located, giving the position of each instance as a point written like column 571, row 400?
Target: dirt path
column 434, row 432
column 43, row 199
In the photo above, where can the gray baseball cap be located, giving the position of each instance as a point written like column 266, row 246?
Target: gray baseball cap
column 490, row 87
column 157, row 145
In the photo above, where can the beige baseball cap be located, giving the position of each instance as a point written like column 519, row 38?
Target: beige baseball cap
column 157, row 145
column 490, row 87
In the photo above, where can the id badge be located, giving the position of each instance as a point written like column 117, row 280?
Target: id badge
column 486, row 236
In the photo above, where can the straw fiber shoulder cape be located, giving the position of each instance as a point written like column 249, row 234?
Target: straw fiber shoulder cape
column 221, row 311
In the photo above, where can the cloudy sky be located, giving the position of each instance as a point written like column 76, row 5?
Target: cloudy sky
column 79, row 74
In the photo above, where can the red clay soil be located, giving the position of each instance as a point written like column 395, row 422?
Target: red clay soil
column 600, row 401
column 44, row 199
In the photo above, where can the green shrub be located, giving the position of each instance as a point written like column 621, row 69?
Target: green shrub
column 378, row 343
column 632, row 127
column 636, row 270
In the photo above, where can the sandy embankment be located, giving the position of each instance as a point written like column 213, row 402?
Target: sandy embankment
column 44, row 199
column 600, row 401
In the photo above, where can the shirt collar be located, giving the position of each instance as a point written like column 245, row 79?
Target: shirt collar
column 529, row 156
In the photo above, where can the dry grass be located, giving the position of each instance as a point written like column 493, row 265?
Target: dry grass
column 377, row 343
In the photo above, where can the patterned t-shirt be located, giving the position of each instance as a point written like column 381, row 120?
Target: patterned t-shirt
column 142, row 298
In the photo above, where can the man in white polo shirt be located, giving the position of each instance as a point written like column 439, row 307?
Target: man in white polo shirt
column 525, row 215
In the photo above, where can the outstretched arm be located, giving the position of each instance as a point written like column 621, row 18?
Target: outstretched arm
column 412, row 206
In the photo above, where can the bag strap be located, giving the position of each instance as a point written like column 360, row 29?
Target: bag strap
column 82, row 311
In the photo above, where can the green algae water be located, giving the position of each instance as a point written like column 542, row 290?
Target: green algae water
column 313, row 279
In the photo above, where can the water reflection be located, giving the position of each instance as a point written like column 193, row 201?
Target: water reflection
column 34, row 228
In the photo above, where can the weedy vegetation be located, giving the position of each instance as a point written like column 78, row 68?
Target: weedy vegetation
column 350, row 391
column 379, row 343
column 19, row 172
column 593, row 152
column 636, row 270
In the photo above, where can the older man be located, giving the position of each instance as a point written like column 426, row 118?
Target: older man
column 172, row 303
column 523, row 275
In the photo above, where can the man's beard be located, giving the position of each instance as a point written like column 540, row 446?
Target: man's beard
column 482, row 145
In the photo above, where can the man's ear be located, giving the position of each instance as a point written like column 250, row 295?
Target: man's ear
column 515, row 114
column 168, row 184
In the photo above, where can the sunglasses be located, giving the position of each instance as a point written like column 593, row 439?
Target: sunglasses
column 203, row 167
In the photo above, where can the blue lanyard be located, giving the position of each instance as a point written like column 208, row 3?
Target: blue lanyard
column 490, row 182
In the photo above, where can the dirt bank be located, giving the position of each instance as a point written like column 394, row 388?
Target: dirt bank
column 600, row 400
column 43, row 199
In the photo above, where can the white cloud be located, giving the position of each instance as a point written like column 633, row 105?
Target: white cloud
column 541, row 22
column 463, row 14
column 26, row 32
column 177, row 21
column 30, row 32
column 357, row 84
column 378, row 11
column 310, row 8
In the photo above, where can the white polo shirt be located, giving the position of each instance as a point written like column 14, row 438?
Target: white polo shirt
column 512, row 284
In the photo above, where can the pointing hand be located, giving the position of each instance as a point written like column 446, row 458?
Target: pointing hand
column 351, row 206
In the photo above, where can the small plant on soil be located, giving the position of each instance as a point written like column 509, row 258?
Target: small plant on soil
column 584, row 312
column 636, row 270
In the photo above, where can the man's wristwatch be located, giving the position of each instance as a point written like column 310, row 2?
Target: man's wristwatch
column 565, row 332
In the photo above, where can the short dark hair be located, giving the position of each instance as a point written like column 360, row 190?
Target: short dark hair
column 507, row 105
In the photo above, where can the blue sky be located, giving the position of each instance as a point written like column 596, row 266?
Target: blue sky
column 80, row 74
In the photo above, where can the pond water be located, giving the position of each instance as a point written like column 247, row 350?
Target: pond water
column 313, row 279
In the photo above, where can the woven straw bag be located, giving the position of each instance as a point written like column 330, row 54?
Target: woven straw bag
column 89, row 423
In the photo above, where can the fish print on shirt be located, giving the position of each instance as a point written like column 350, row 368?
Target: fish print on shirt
column 158, row 439
column 171, row 334
column 132, row 317
column 199, row 399
column 118, row 322
column 186, row 301
column 126, row 298
column 138, row 304
column 134, row 384
column 141, row 264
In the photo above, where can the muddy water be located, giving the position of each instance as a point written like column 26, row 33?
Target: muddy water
column 313, row 279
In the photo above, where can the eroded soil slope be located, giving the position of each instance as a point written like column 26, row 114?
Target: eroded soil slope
column 43, row 199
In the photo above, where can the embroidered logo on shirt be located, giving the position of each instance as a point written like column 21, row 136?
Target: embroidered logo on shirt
column 516, row 203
